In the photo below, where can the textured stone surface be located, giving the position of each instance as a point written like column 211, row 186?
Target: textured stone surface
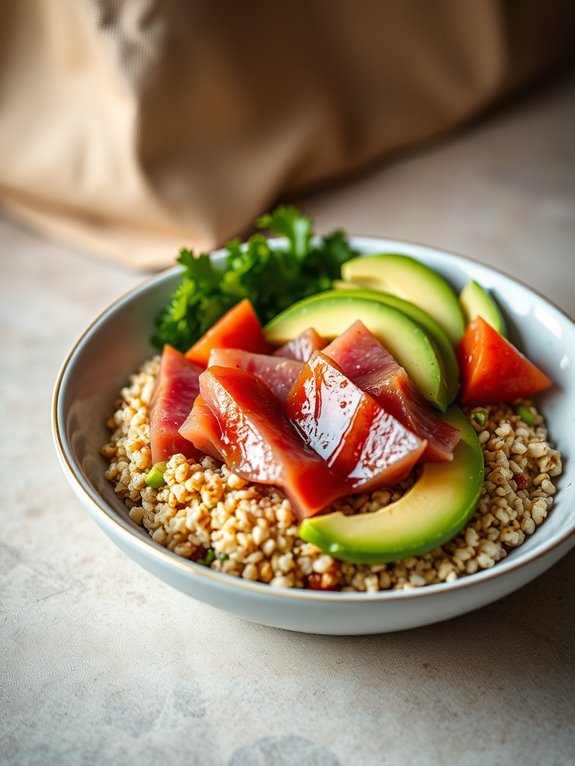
column 101, row 663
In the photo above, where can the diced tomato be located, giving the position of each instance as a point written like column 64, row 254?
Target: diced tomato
column 349, row 429
column 493, row 370
column 302, row 346
column 202, row 430
column 370, row 366
column 260, row 444
column 176, row 389
column 276, row 372
column 237, row 328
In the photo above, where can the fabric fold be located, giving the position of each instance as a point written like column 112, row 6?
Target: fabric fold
column 134, row 128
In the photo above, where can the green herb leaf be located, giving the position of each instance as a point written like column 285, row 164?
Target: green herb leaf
column 271, row 277
column 288, row 222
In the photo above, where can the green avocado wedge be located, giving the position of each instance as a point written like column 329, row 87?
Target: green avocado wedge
column 331, row 313
column 425, row 320
column 437, row 506
column 413, row 281
column 476, row 301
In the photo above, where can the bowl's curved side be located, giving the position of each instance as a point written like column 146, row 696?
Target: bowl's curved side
column 356, row 616
column 117, row 342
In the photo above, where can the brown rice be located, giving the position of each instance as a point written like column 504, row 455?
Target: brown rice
column 206, row 513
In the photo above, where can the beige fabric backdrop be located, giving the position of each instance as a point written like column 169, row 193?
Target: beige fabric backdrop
column 135, row 127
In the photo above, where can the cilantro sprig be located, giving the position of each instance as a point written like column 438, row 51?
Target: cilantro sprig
column 272, row 277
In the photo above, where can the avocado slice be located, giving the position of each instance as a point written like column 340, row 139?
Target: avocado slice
column 425, row 320
column 437, row 506
column 331, row 313
column 476, row 301
column 343, row 284
column 411, row 280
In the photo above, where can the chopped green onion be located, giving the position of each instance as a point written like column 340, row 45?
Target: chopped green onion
column 223, row 556
column 525, row 414
column 155, row 478
column 480, row 417
column 210, row 557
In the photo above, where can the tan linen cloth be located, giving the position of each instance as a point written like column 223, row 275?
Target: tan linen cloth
column 135, row 127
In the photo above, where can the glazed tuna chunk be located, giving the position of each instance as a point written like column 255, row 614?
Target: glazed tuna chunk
column 303, row 346
column 278, row 373
column 349, row 429
column 260, row 444
column 176, row 389
column 366, row 362
column 202, row 429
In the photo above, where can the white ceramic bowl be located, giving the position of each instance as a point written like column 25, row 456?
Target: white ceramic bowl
column 117, row 342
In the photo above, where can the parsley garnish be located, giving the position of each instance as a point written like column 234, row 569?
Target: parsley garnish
column 271, row 276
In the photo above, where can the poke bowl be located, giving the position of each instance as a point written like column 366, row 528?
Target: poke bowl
column 117, row 345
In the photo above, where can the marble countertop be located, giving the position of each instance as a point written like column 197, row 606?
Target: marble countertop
column 102, row 663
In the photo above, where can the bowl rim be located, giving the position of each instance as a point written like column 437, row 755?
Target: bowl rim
column 110, row 518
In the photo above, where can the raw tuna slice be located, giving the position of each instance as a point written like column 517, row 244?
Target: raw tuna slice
column 302, row 347
column 365, row 361
column 259, row 443
column 279, row 374
column 349, row 429
column 176, row 389
column 202, row 430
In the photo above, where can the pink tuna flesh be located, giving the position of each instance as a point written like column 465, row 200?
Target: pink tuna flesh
column 202, row 430
column 349, row 429
column 302, row 347
column 259, row 443
column 279, row 374
column 176, row 389
column 366, row 362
